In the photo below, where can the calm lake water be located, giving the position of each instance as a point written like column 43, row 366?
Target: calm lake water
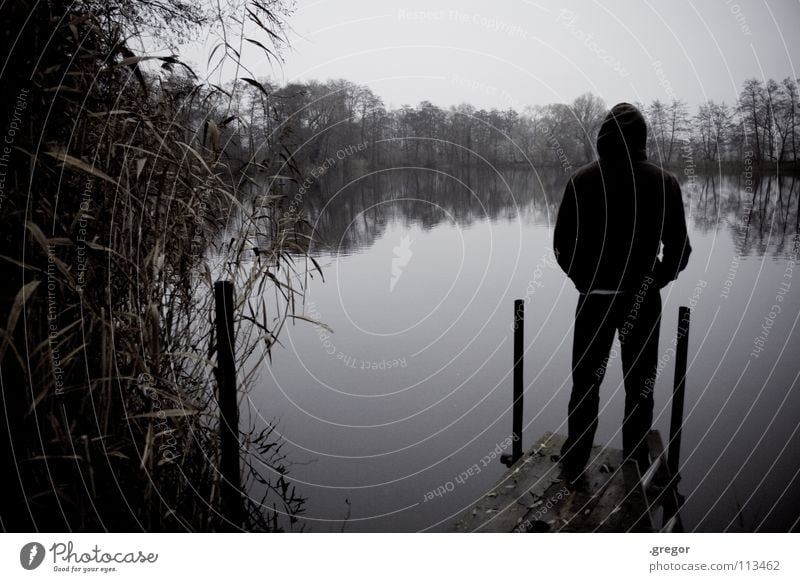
column 413, row 387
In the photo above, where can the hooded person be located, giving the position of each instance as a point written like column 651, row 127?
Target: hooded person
column 620, row 237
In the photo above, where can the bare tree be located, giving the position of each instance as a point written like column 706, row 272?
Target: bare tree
column 677, row 114
column 751, row 106
column 588, row 110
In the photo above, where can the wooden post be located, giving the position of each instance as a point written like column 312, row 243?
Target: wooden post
column 678, row 391
column 519, row 336
column 228, row 406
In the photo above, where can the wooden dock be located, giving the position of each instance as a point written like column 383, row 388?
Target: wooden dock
column 611, row 497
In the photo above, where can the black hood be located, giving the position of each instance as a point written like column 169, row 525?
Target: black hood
column 623, row 135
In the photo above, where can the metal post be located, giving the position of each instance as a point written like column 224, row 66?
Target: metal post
column 679, row 389
column 519, row 335
column 228, row 406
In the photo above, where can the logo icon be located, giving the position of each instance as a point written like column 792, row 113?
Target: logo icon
column 402, row 255
column 31, row 555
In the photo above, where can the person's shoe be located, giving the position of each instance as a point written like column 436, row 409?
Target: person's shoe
column 572, row 473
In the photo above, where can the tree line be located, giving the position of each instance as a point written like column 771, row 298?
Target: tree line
column 308, row 122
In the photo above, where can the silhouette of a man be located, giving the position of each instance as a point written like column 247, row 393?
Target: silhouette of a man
column 620, row 236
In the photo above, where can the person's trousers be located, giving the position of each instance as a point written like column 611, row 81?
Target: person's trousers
column 636, row 318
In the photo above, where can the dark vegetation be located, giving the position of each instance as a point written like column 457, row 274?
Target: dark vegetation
column 114, row 185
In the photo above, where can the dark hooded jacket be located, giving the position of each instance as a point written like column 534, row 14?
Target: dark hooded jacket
column 620, row 212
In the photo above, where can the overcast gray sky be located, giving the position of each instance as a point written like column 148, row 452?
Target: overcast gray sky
column 520, row 52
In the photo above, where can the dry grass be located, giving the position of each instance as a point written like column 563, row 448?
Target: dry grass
column 111, row 250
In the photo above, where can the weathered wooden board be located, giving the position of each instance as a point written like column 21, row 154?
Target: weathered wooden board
column 581, row 503
column 502, row 508
column 532, row 496
column 623, row 506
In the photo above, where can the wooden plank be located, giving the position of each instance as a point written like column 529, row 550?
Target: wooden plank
column 531, row 496
column 585, row 496
column 623, row 507
column 664, row 504
column 607, row 503
column 545, row 515
column 501, row 508
column 636, row 505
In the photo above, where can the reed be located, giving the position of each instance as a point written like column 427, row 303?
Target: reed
column 122, row 205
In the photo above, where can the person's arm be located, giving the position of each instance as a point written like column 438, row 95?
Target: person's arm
column 676, row 249
column 566, row 232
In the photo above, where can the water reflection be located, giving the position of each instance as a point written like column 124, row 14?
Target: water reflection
column 351, row 209
column 413, row 387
